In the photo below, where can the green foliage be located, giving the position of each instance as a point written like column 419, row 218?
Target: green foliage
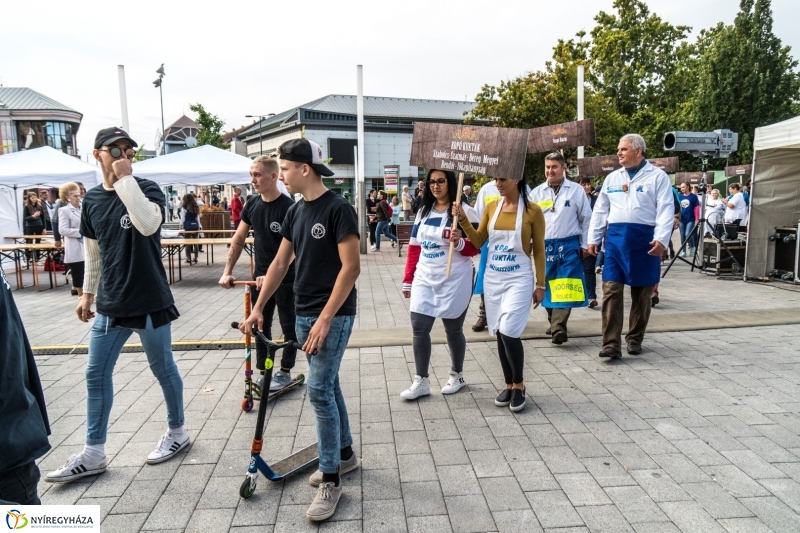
column 211, row 128
column 746, row 78
column 643, row 75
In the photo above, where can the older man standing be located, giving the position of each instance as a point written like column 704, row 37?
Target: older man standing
column 636, row 207
column 567, row 213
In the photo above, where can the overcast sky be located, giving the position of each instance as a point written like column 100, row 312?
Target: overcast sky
column 254, row 57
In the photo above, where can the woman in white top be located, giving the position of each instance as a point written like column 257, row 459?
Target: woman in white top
column 434, row 295
column 737, row 207
column 69, row 225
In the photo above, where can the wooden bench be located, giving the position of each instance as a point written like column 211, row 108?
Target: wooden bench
column 403, row 235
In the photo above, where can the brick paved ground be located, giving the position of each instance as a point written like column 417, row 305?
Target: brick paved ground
column 701, row 432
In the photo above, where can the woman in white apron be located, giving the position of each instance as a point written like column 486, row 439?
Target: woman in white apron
column 514, row 228
column 434, row 295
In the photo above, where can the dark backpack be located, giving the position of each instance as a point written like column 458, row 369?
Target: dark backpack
column 190, row 221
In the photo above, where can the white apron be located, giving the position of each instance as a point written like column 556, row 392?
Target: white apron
column 508, row 282
column 432, row 293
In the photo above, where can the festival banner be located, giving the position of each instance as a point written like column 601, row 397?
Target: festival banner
column 558, row 136
column 495, row 152
column 598, row 166
column 391, row 174
column 739, row 170
column 694, row 178
column 667, row 164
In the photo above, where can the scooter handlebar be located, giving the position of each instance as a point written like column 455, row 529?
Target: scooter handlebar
column 293, row 344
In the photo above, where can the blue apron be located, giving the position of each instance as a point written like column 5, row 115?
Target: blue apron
column 565, row 285
column 626, row 258
column 481, row 268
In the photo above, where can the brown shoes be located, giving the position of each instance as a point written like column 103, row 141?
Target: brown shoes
column 480, row 325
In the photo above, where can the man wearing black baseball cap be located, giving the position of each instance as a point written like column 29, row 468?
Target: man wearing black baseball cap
column 320, row 229
column 120, row 224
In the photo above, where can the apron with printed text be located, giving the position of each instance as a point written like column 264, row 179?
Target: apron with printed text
column 508, row 281
column 432, row 292
column 566, row 285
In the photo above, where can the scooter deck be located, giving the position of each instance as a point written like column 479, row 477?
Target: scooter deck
column 299, row 380
column 295, row 462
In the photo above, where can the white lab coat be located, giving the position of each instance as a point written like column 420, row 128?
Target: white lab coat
column 646, row 199
column 567, row 213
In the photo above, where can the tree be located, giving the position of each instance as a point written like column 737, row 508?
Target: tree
column 746, row 77
column 211, row 127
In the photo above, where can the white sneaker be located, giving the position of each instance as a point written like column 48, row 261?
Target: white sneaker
column 167, row 447
column 374, row 249
column 454, row 384
column 76, row 467
column 419, row 387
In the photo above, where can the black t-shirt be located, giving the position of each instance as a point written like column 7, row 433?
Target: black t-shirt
column 315, row 229
column 132, row 277
column 23, row 415
column 266, row 219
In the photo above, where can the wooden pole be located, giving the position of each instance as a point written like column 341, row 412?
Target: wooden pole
column 455, row 222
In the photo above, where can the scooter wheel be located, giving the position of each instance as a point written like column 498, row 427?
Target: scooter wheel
column 247, row 488
column 300, row 379
column 247, row 405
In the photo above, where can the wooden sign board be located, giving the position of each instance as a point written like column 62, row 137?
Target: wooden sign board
column 558, row 136
column 667, row 164
column 495, row 152
column 694, row 178
column 739, row 170
column 598, row 166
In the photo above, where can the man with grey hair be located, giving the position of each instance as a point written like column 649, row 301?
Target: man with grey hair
column 634, row 210
column 567, row 214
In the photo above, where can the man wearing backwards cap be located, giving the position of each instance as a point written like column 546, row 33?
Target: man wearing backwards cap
column 320, row 233
column 120, row 224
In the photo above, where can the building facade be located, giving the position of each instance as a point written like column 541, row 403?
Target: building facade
column 331, row 122
column 29, row 119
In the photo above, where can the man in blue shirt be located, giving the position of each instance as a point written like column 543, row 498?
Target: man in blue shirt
column 689, row 203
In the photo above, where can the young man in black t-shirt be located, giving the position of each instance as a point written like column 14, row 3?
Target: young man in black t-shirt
column 265, row 214
column 120, row 223
column 320, row 234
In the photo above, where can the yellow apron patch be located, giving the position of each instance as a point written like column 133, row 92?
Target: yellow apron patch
column 566, row 290
column 545, row 204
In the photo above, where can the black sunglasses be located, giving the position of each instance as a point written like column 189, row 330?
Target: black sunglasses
column 116, row 151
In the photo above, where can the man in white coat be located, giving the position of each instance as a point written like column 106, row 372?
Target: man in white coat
column 635, row 206
column 567, row 214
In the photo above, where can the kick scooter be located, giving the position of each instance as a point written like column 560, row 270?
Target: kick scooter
column 288, row 465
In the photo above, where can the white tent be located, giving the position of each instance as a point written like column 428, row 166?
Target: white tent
column 775, row 194
column 204, row 165
column 41, row 166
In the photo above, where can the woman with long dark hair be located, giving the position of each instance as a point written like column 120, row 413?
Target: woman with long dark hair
column 514, row 227
column 434, row 295
column 190, row 221
column 34, row 222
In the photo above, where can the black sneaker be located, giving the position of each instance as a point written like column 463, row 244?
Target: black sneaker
column 503, row 399
column 517, row 400
column 560, row 337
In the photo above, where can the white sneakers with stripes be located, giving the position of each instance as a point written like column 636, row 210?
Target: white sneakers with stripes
column 171, row 443
column 76, row 467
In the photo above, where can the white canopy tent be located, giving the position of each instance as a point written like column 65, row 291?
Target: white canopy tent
column 204, row 165
column 775, row 194
column 44, row 166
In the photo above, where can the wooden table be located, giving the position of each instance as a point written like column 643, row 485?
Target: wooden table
column 20, row 239
column 174, row 247
column 49, row 250
column 14, row 252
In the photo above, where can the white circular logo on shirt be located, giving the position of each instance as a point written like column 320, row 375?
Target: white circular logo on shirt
column 318, row 231
column 125, row 221
column 684, row 204
column 275, row 227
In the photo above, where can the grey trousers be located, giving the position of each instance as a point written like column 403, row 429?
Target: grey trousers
column 421, row 326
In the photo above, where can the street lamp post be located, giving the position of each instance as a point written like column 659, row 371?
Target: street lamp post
column 260, row 118
column 157, row 83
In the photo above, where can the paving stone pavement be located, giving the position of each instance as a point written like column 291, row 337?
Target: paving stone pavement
column 701, row 432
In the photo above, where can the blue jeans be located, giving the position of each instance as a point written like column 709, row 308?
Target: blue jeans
column 383, row 229
column 685, row 229
column 324, row 392
column 105, row 344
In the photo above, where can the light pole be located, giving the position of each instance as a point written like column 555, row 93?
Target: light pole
column 260, row 118
column 157, row 83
